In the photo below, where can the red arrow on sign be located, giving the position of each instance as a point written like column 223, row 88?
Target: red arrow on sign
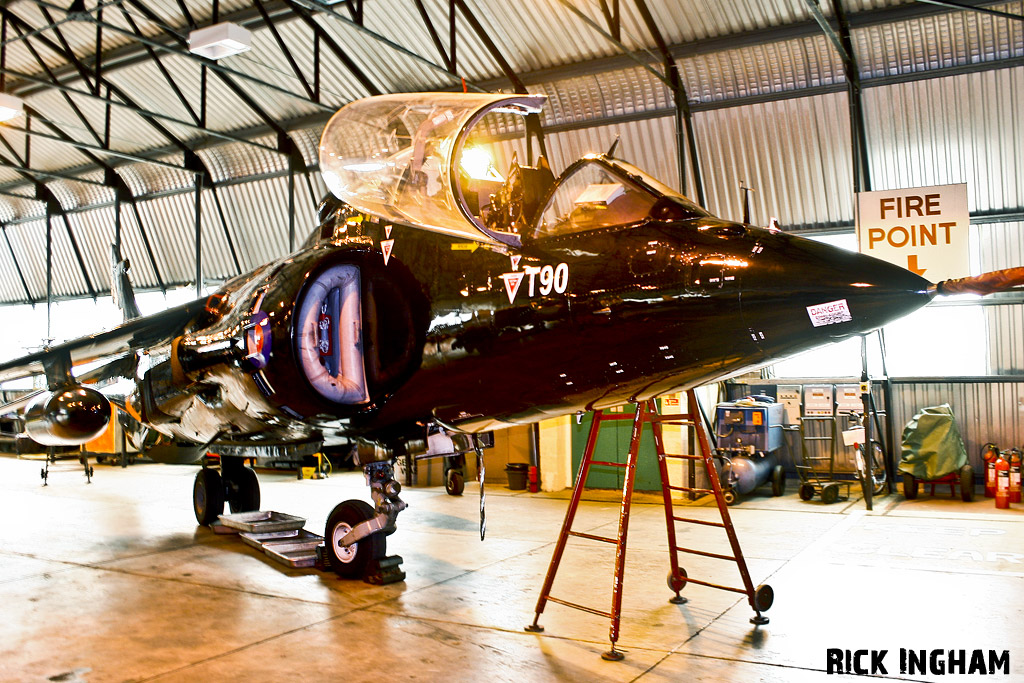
column 912, row 265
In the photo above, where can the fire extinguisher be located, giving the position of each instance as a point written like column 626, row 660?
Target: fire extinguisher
column 1015, row 462
column 1003, row 480
column 989, row 455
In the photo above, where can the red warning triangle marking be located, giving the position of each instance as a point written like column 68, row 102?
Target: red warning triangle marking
column 515, row 260
column 387, row 246
column 512, row 282
column 387, row 231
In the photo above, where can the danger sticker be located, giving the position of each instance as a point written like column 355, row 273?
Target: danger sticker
column 829, row 314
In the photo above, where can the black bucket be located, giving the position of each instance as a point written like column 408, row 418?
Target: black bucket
column 517, row 475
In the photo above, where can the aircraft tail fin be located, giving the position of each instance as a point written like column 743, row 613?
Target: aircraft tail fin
column 121, row 286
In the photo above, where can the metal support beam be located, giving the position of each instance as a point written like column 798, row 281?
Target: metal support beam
column 78, row 255
column 49, row 274
column 970, row 8
column 436, row 38
column 285, row 51
column 492, row 49
column 291, row 210
column 147, row 245
column 613, row 17
column 17, row 266
column 335, row 49
column 49, row 174
column 71, row 103
column 683, row 116
column 199, row 235
column 159, row 65
column 224, row 225
column 85, row 145
column 844, row 47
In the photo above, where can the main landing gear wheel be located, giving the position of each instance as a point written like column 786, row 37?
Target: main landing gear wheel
column 243, row 492
column 350, row 562
column 208, row 496
column 778, row 481
column 454, row 483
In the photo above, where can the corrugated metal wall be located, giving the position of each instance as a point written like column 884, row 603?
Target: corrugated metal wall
column 984, row 411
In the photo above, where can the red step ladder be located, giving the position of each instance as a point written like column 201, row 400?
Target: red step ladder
column 760, row 598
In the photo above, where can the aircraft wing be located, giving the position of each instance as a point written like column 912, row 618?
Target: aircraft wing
column 142, row 333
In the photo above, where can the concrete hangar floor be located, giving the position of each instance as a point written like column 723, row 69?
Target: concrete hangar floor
column 113, row 581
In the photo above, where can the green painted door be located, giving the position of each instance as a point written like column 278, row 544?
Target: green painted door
column 613, row 446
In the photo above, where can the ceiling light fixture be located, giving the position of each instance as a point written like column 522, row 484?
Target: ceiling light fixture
column 10, row 107
column 220, row 40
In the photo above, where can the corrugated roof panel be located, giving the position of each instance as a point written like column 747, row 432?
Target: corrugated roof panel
column 170, row 224
column 938, row 41
column 94, row 246
column 951, row 130
column 795, row 154
column 648, row 144
column 387, row 68
column 97, row 225
column 10, row 285
column 999, row 245
column 783, row 66
column 695, row 20
column 257, row 214
column 629, row 91
column 144, row 179
column 128, row 131
column 237, row 160
column 43, row 153
column 14, row 208
column 29, row 243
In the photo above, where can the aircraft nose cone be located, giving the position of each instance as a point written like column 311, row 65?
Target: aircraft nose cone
column 797, row 293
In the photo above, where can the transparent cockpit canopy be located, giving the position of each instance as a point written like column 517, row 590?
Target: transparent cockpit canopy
column 600, row 192
column 397, row 156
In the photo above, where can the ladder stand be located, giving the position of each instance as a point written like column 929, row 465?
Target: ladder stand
column 760, row 599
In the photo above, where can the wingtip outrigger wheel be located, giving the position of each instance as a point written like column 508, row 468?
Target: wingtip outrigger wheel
column 997, row 281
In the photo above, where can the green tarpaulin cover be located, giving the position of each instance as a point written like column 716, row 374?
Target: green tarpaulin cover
column 932, row 447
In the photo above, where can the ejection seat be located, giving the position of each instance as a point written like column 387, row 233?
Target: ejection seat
column 516, row 203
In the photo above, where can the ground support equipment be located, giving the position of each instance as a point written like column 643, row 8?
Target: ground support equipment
column 760, row 598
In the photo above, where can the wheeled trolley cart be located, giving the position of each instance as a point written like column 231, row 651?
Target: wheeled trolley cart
column 818, row 472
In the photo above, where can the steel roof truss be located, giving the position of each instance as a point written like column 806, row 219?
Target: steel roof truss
column 159, row 65
column 438, row 45
column 67, row 98
column 287, row 53
column 227, row 233
column 17, row 266
column 333, row 46
column 183, row 52
column 147, row 245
